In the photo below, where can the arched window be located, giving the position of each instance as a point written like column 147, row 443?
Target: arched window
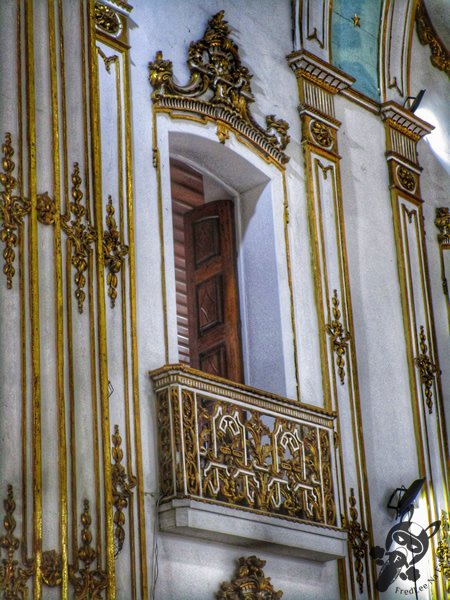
column 228, row 301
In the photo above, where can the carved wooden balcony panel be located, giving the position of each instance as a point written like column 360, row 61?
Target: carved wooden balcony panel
column 232, row 445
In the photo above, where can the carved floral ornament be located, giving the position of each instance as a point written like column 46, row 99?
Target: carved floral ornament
column 249, row 583
column 321, row 134
column 357, row 539
column 107, row 19
column 406, row 178
column 219, row 89
column 75, row 223
column 442, row 222
column 427, row 370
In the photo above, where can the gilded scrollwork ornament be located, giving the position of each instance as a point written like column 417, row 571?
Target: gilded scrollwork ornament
column 427, row 369
column 321, row 134
column 88, row 582
column 357, row 539
column 13, row 575
column 249, row 583
column 443, row 549
column 81, row 234
column 13, row 210
column 107, row 19
column 51, row 568
column 406, row 178
column 442, row 222
column 114, row 251
column 440, row 56
column 122, row 490
column 46, row 209
column 339, row 336
column 219, row 89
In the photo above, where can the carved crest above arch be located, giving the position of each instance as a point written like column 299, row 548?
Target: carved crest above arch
column 249, row 582
column 218, row 90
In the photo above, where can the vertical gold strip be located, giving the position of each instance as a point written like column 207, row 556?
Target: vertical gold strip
column 156, row 163
column 134, row 347
column 34, row 299
column 363, row 485
column 72, row 425
column 120, row 133
column 63, row 103
column 23, row 355
column 59, row 311
column 289, row 274
column 101, row 310
column 91, row 279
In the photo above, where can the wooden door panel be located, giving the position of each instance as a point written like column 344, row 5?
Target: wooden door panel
column 212, row 292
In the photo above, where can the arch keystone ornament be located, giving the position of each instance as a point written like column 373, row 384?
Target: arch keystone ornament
column 219, row 90
column 250, row 583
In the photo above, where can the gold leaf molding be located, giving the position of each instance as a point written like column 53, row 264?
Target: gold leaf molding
column 440, row 56
column 219, row 89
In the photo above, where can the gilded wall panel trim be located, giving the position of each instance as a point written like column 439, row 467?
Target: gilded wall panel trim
column 318, row 83
column 34, row 299
column 55, row 565
column 101, row 309
column 118, row 248
column 423, row 362
column 397, row 26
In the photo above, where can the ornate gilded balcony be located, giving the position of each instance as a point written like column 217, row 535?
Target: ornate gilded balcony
column 239, row 464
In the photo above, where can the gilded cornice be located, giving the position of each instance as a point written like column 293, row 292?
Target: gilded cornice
column 405, row 121
column 219, row 90
column 304, row 64
column 440, row 56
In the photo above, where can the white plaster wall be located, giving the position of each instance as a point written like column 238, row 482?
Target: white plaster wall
column 379, row 334
column 434, row 158
column 188, row 568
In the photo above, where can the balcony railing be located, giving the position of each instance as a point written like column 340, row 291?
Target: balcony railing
column 229, row 444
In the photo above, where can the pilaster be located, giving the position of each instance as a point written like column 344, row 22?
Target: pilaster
column 318, row 84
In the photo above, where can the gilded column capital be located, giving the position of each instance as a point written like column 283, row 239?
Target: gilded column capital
column 307, row 65
column 405, row 121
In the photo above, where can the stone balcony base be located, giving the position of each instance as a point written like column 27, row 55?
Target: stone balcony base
column 232, row 526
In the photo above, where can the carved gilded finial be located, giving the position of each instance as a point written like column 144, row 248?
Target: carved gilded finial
column 442, row 222
column 81, row 235
column 13, row 575
column 427, row 369
column 339, row 336
column 249, row 583
column 122, row 489
column 13, row 209
column 219, row 89
column 357, row 539
column 87, row 582
column 114, row 251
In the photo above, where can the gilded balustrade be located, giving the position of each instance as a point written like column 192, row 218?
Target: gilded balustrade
column 229, row 444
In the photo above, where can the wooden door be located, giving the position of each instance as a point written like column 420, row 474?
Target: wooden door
column 212, row 290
